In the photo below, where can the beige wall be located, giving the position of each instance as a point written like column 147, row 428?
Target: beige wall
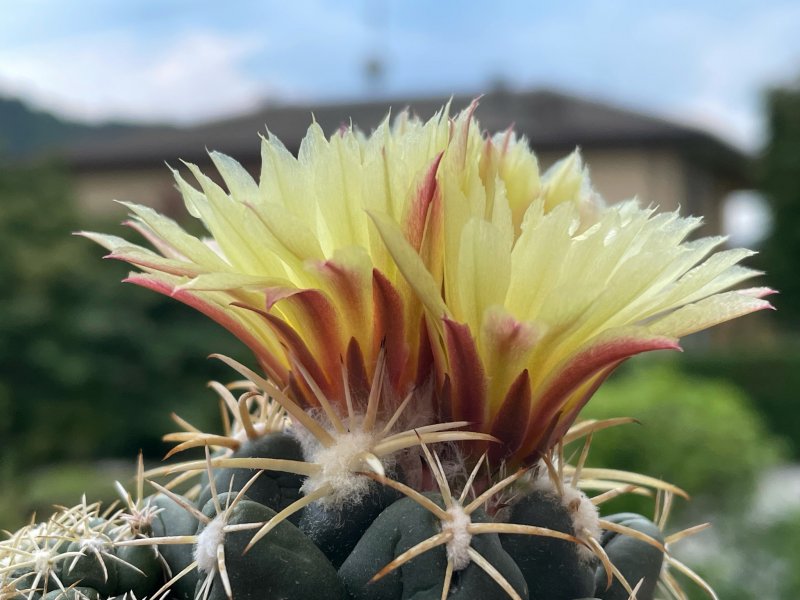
column 657, row 177
column 654, row 176
column 96, row 191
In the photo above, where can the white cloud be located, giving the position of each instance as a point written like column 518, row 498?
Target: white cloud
column 115, row 74
column 702, row 64
column 732, row 63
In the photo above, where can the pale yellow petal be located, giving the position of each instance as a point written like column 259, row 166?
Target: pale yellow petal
column 240, row 183
column 707, row 313
column 411, row 265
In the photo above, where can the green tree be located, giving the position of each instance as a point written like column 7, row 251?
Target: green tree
column 780, row 183
column 89, row 367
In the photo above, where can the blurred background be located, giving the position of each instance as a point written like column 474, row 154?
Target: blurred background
column 693, row 105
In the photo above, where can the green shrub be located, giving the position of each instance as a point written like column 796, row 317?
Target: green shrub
column 89, row 367
column 754, row 559
column 700, row 434
column 770, row 378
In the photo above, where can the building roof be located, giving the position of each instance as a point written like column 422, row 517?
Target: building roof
column 550, row 120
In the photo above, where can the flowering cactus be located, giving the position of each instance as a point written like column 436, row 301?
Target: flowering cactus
column 428, row 315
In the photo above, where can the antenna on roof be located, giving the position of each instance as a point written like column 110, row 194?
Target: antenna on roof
column 376, row 16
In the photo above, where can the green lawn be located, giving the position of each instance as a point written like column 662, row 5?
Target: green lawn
column 40, row 489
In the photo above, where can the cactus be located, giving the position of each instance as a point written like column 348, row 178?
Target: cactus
column 428, row 315
column 530, row 534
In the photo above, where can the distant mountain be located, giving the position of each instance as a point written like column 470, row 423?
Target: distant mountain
column 27, row 133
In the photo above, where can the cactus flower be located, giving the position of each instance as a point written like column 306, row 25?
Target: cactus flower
column 504, row 296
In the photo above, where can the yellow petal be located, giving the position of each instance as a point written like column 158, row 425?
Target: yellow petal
column 410, row 264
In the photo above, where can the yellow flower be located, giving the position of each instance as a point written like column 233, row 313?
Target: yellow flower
column 504, row 296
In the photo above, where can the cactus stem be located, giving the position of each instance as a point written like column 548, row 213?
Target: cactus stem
column 630, row 532
column 181, row 502
column 96, row 546
column 209, row 555
column 287, row 512
column 492, row 572
column 421, row 548
column 610, row 569
column 457, row 527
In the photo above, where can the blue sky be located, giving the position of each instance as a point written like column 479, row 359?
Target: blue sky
column 700, row 62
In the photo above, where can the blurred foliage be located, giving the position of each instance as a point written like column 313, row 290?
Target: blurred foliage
column 780, row 183
column 704, row 435
column 701, row 434
column 89, row 367
column 755, row 560
column 770, row 377
column 38, row 490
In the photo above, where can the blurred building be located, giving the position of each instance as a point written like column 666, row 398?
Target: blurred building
column 629, row 153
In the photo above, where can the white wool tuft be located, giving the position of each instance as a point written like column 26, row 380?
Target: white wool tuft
column 41, row 560
column 543, row 483
column 458, row 547
column 94, row 544
column 205, row 550
column 585, row 517
column 340, row 465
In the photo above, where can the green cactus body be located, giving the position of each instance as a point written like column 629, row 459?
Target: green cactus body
column 274, row 489
column 283, row 564
column 174, row 520
column 337, row 530
column 554, row 569
column 74, row 593
column 142, row 572
column 400, row 527
column 635, row 559
column 91, row 570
